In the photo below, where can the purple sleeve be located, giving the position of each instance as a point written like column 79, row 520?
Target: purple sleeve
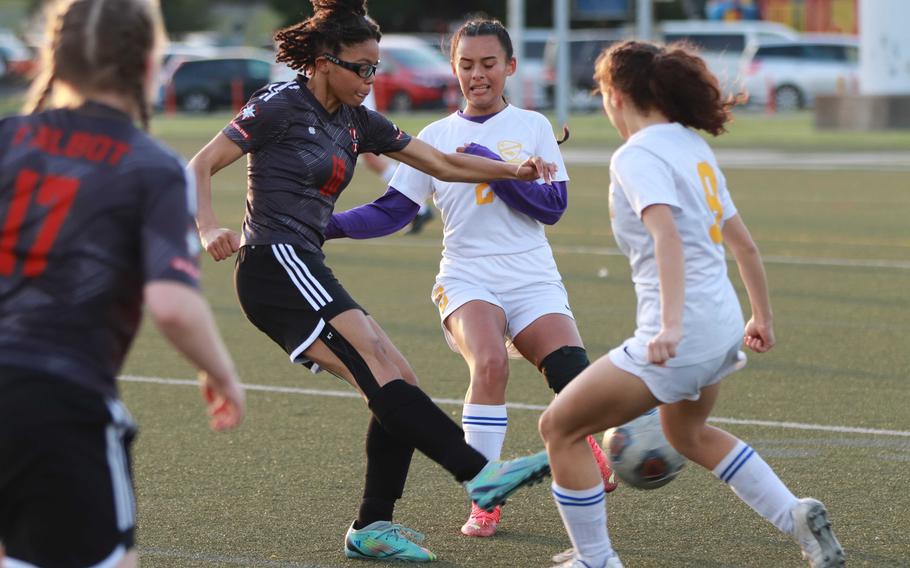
column 382, row 217
column 545, row 202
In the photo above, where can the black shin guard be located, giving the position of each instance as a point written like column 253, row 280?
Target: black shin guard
column 409, row 414
column 388, row 461
column 563, row 365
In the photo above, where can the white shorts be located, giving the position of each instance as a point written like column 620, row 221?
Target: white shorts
column 672, row 384
column 522, row 305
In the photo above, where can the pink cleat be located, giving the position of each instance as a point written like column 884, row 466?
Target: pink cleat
column 610, row 482
column 482, row 523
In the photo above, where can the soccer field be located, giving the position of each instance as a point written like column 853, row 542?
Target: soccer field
column 827, row 408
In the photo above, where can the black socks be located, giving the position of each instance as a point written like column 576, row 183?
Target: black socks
column 388, row 460
column 409, row 415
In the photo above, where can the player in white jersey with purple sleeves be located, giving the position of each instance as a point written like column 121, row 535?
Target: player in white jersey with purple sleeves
column 497, row 279
column 672, row 215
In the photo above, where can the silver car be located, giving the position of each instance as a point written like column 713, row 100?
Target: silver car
column 788, row 75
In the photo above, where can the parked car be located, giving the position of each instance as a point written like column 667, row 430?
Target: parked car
column 173, row 56
column 412, row 75
column 723, row 44
column 533, row 88
column 16, row 59
column 201, row 85
column 532, row 68
column 792, row 73
column 584, row 47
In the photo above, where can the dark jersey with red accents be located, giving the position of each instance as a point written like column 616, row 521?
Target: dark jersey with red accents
column 91, row 209
column 300, row 159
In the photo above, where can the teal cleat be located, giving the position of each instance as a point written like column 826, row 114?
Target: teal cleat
column 497, row 480
column 383, row 540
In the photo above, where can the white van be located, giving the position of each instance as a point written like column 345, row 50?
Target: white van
column 722, row 44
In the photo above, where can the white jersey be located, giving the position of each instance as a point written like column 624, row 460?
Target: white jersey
column 483, row 238
column 670, row 164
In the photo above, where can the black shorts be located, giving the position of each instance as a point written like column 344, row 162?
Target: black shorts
column 66, row 486
column 289, row 294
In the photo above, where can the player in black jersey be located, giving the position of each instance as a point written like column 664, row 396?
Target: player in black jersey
column 95, row 216
column 303, row 138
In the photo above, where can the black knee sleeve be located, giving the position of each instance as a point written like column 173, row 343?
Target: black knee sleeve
column 563, row 365
column 348, row 355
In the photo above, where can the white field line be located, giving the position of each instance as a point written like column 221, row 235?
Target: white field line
column 611, row 251
column 538, row 407
column 732, row 158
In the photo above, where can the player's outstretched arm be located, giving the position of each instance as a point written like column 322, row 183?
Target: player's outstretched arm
column 219, row 153
column 460, row 167
column 183, row 316
column 759, row 333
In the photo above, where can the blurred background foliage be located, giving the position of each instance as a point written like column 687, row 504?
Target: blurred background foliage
column 184, row 16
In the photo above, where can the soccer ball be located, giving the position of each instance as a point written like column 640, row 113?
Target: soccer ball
column 639, row 453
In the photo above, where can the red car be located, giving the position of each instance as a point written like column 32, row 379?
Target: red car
column 413, row 75
column 15, row 58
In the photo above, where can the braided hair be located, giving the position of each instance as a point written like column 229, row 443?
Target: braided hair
column 335, row 23
column 99, row 46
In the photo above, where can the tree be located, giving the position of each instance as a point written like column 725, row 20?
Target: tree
column 185, row 15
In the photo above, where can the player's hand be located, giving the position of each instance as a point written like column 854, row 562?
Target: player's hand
column 535, row 167
column 225, row 401
column 759, row 336
column 219, row 242
column 662, row 346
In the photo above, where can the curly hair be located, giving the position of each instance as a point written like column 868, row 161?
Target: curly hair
column 335, row 23
column 672, row 79
column 99, row 46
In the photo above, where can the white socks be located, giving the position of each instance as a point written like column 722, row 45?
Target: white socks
column 755, row 482
column 584, row 514
column 485, row 428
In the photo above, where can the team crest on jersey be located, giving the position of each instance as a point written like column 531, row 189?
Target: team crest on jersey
column 355, row 143
column 510, row 150
column 248, row 112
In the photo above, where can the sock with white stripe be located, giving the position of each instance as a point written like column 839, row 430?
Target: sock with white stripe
column 485, row 427
column 755, row 482
column 584, row 513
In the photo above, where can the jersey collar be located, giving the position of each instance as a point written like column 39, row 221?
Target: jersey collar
column 483, row 118
column 311, row 99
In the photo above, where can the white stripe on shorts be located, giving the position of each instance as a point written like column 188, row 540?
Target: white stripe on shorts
column 308, row 341
column 309, row 276
column 124, row 501
column 295, row 277
column 111, row 561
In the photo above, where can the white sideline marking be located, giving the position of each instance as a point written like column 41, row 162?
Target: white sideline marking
column 523, row 406
column 612, row 251
column 766, row 159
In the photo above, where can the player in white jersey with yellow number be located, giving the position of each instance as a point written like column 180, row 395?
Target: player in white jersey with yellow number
column 671, row 215
column 497, row 278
